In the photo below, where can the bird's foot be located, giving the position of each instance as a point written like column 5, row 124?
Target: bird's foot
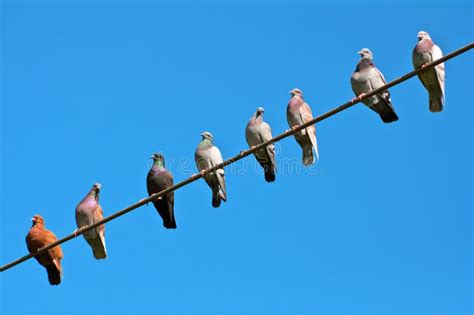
column 202, row 173
column 358, row 98
column 157, row 198
column 293, row 129
column 78, row 231
column 423, row 65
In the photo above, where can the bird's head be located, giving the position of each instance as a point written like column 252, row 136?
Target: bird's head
column 207, row 135
column 423, row 35
column 158, row 158
column 259, row 112
column 95, row 190
column 296, row 91
column 37, row 219
column 365, row 53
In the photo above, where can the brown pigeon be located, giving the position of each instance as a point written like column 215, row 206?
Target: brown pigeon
column 88, row 212
column 39, row 237
column 433, row 79
column 298, row 112
column 158, row 179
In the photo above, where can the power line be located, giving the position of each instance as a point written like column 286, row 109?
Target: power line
column 240, row 156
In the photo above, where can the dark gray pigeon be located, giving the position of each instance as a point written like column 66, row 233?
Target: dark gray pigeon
column 208, row 155
column 158, row 179
column 298, row 112
column 367, row 78
column 257, row 132
column 88, row 212
column 433, row 79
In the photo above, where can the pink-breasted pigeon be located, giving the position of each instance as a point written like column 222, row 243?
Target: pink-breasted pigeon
column 433, row 79
column 257, row 132
column 298, row 112
column 88, row 212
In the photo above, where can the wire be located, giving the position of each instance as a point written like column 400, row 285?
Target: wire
column 240, row 156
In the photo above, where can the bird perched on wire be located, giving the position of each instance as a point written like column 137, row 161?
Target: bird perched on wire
column 38, row 237
column 298, row 112
column 88, row 212
column 206, row 156
column 427, row 51
column 158, row 179
column 367, row 78
column 257, row 132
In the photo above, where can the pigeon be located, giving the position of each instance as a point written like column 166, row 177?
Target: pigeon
column 298, row 112
column 88, row 212
column 158, row 179
column 367, row 78
column 433, row 79
column 39, row 237
column 257, row 132
column 207, row 155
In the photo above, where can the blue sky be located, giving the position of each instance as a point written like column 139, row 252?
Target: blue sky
column 382, row 225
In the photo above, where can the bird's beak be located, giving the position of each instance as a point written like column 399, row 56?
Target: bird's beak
column 32, row 219
column 291, row 92
column 152, row 157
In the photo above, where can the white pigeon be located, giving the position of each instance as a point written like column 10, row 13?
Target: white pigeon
column 206, row 156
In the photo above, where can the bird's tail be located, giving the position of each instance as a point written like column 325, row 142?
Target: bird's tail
column 221, row 185
column 436, row 91
column 99, row 253
column 308, row 157
column 436, row 101
column 165, row 208
column 54, row 274
column 170, row 224
column 216, row 197
column 314, row 141
column 386, row 111
column 98, row 246
column 269, row 172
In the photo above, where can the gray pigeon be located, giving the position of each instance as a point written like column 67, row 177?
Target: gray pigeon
column 257, row 132
column 298, row 112
column 433, row 79
column 206, row 156
column 158, row 179
column 367, row 78
column 88, row 212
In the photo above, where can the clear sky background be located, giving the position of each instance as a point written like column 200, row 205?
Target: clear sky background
column 382, row 225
